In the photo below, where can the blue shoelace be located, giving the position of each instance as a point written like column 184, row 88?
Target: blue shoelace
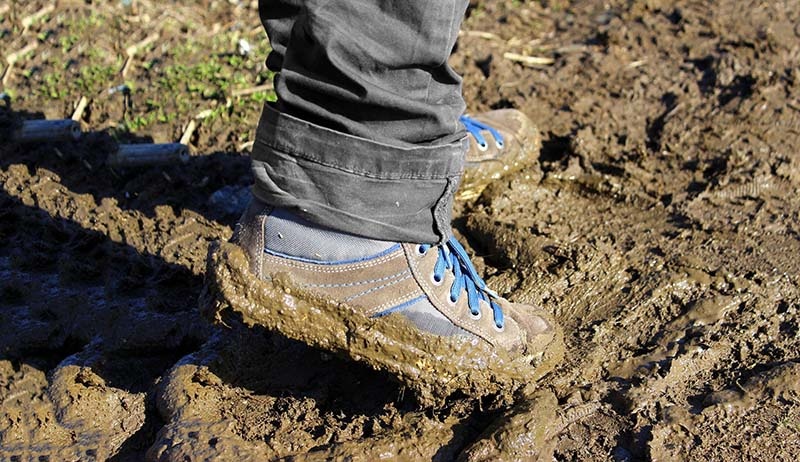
column 453, row 257
column 475, row 127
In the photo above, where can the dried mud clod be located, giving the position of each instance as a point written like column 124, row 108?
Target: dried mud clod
column 432, row 367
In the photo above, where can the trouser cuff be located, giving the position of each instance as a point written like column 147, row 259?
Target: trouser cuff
column 398, row 193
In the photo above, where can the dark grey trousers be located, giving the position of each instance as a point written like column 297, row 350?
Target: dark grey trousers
column 364, row 137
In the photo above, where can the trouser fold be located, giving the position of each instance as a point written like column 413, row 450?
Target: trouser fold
column 356, row 185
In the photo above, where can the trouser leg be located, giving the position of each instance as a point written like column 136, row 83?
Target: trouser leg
column 364, row 136
column 278, row 18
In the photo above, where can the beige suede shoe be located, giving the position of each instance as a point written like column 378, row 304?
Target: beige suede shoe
column 419, row 312
column 502, row 141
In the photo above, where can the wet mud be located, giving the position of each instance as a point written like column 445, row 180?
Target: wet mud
column 433, row 367
column 659, row 225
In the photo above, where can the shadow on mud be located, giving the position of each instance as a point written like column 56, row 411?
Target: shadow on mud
column 97, row 315
column 211, row 184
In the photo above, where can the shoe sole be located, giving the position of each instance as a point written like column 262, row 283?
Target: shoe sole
column 433, row 367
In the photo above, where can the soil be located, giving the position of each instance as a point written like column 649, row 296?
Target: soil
column 659, row 226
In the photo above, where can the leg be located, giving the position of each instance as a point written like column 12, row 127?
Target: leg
column 500, row 141
column 278, row 18
column 366, row 118
column 355, row 168
column 377, row 69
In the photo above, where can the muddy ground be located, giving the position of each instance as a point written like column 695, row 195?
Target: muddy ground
column 663, row 232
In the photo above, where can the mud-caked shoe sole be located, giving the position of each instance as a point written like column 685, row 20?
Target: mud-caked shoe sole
column 433, row 367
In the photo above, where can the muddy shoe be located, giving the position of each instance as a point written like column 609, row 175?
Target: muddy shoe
column 421, row 313
column 501, row 142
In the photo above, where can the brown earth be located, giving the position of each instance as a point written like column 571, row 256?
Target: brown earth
column 663, row 234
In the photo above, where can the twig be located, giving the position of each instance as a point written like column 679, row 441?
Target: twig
column 12, row 58
column 139, row 18
column 573, row 48
column 637, row 63
column 28, row 21
column 479, row 34
column 514, row 42
column 192, row 126
column 529, row 60
column 187, row 134
column 203, row 114
column 251, row 90
column 77, row 115
column 135, row 48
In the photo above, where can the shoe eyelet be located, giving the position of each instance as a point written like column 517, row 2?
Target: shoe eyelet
column 451, row 301
column 499, row 328
column 474, row 316
column 435, row 281
column 421, row 250
column 483, row 146
column 499, row 144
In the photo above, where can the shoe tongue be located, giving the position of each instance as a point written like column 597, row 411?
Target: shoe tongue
column 289, row 234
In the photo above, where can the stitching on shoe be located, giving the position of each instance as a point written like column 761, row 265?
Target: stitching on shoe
column 373, row 289
column 350, row 261
column 261, row 220
column 338, row 269
column 394, row 301
column 357, row 283
column 260, row 264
